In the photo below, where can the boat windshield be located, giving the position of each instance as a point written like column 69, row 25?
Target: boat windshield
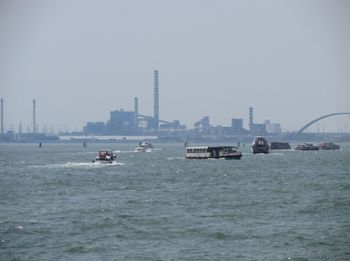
column 104, row 153
column 229, row 149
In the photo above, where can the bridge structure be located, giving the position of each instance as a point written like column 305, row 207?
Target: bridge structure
column 320, row 118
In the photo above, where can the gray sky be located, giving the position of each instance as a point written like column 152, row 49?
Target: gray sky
column 290, row 60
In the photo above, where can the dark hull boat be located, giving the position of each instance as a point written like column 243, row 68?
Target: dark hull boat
column 260, row 145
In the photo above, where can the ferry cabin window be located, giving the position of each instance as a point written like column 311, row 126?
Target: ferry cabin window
column 197, row 150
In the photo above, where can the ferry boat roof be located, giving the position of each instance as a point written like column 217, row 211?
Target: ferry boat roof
column 211, row 147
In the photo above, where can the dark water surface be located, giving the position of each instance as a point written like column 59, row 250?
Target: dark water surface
column 287, row 205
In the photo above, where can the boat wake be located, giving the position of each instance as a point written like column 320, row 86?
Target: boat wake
column 82, row 165
column 91, row 164
column 176, row 158
column 277, row 153
column 126, row 151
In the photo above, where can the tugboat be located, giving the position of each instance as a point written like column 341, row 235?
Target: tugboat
column 260, row 145
column 213, row 152
column 307, row 146
column 105, row 156
column 144, row 146
column 329, row 146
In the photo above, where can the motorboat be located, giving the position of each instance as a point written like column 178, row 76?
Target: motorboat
column 213, row 152
column 307, row 146
column 260, row 145
column 105, row 156
column 144, row 146
column 279, row 146
column 329, row 146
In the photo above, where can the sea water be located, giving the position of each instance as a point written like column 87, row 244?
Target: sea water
column 55, row 204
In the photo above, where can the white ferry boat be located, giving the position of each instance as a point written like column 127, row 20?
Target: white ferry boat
column 213, row 152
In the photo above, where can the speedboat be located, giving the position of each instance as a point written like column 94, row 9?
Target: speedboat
column 260, row 145
column 213, row 152
column 307, row 146
column 329, row 146
column 144, row 146
column 105, row 156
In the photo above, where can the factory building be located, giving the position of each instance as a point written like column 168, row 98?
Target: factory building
column 97, row 128
column 122, row 123
column 132, row 122
column 254, row 128
column 262, row 129
column 237, row 126
column 272, row 128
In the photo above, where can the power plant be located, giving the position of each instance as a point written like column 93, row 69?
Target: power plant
column 133, row 123
column 122, row 122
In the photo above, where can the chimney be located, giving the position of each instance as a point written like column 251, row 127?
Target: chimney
column 136, row 110
column 34, row 129
column 156, row 99
column 251, row 122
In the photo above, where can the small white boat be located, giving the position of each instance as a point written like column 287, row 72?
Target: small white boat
column 105, row 156
column 144, row 146
column 307, row 146
column 329, row 146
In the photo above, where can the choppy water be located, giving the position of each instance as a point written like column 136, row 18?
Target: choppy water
column 287, row 205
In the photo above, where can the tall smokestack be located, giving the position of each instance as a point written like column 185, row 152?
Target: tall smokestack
column 136, row 109
column 34, row 116
column 251, row 118
column 156, row 99
column 2, row 116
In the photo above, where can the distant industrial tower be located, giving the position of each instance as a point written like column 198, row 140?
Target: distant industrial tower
column 251, row 122
column 2, row 116
column 34, row 129
column 136, row 109
column 156, row 99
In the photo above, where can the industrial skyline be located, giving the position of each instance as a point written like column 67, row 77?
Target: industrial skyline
column 149, row 122
column 289, row 60
column 123, row 122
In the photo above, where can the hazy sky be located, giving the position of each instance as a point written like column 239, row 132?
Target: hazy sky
column 81, row 59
